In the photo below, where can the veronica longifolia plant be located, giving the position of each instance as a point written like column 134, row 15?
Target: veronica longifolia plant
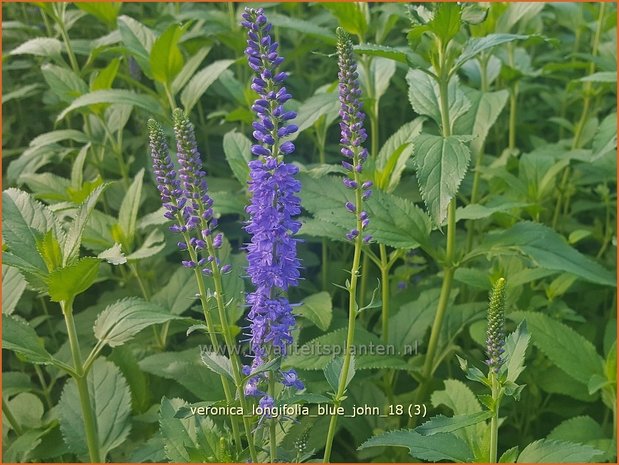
column 353, row 135
column 187, row 203
column 273, row 263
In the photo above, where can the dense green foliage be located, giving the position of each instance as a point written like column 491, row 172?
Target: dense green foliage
column 492, row 140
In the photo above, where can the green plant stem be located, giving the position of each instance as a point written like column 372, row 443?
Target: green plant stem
column 210, row 326
column 384, row 277
column 562, row 196
column 59, row 18
column 363, row 287
column 352, row 316
column 170, row 97
column 45, row 388
column 90, row 425
column 6, row 411
column 513, row 101
column 229, row 340
column 479, row 156
column 494, row 421
column 272, row 422
column 449, row 266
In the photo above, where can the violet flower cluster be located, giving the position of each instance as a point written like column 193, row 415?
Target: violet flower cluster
column 495, row 340
column 353, row 133
column 185, row 194
column 272, row 255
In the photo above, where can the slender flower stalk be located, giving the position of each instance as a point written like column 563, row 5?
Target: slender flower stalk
column 353, row 135
column 186, row 200
column 495, row 343
column 273, row 265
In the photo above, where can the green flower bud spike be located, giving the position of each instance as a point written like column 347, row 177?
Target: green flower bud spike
column 495, row 340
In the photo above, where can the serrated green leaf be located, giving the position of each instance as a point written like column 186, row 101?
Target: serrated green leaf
column 24, row 221
column 317, row 308
column 353, row 17
column 443, row 424
column 484, row 111
column 201, row 81
column 185, row 368
column 601, row 76
column 114, row 255
column 397, row 222
column 510, row 455
column 442, row 446
column 73, row 238
column 50, row 251
column 475, row 211
column 424, row 97
column 304, row 27
column 59, row 135
column 152, row 245
column 18, row 336
column 605, row 140
column 138, row 39
column 13, row 286
column 63, row 82
column 567, row 349
column 409, row 325
column 446, row 21
column 394, row 154
column 475, row 45
column 461, row 400
column 40, row 46
column 179, row 293
column 122, row 320
column 515, row 347
column 333, row 372
column 578, row 429
column 195, row 438
column 237, row 149
column 441, row 164
column 166, row 59
column 549, row 250
column 111, row 405
column 315, row 107
column 128, row 213
column 106, row 12
column 67, row 282
column 189, row 69
column 217, row 363
column 112, row 96
column 548, row 451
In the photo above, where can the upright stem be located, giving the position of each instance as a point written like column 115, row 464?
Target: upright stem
column 350, row 337
column 210, row 326
column 582, row 121
column 229, row 339
column 494, row 421
column 272, row 423
column 6, row 411
column 449, row 266
column 59, row 18
column 479, row 156
column 513, row 100
column 384, row 277
column 90, row 425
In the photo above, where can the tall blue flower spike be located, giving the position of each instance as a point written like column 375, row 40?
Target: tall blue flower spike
column 353, row 133
column 272, row 256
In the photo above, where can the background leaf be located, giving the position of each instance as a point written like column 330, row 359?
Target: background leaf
column 111, row 404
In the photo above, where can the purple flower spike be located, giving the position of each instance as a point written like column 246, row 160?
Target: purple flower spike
column 273, row 265
column 184, row 194
column 352, row 132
